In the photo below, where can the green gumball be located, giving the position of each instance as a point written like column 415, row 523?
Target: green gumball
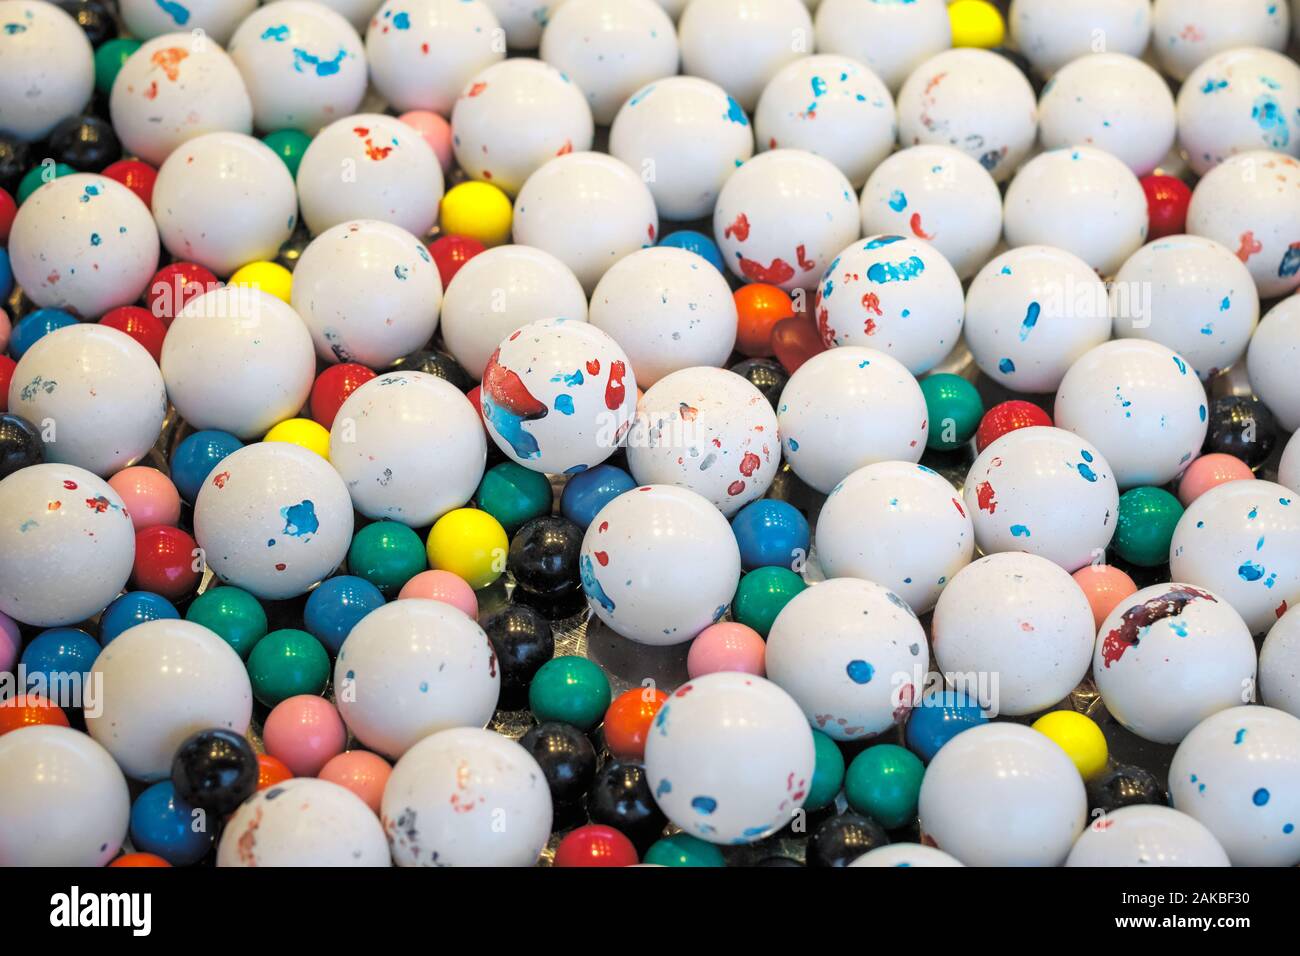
column 572, row 690
column 884, row 782
column 1145, row 526
column 514, row 495
column 762, row 594
column 232, row 614
column 289, row 145
column 285, row 664
column 109, row 60
column 828, row 772
column 682, row 849
column 954, row 408
column 387, row 554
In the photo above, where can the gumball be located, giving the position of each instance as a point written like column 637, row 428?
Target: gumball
column 7, row 366
column 466, row 797
column 140, row 324
column 139, row 860
column 388, row 555
column 66, row 802
column 442, row 586
column 1105, row 586
column 1237, row 101
column 1243, row 427
column 49, row 70
column 727, row 646
column 955, row 407
column 847, row 408
column 938, row 717
column 34, row 326
column 883, row 783
column 515, row 495
column 1237, row 773
column 363, row 773
column 770, row 532
column 336, row 607
column 1079, row 737
column 844, row 838
column 795, row 340
column 305, row 733
column 478, row 211
column 1273, row 349
column 333, row 387
column 271, row 771
column 1124, row 786
column 762, row 595
column 783, row 217
column 1052, row 34
column 61, row 659
column 215, row 771
column 1288, row 469
column 570, row 689
column 173, row 286
column 86, row 143
column 1145, row 525
column 544, row 556
column 289, row 145
column 1210, row 471
column 567, row 759
column 1181, row 48
column 216, row 18
column 892, row 39
column 38, row 176
column 759, row 308
column 287, row 663
column 1153, row 419
column 627, row 722
column 523, row 20
column 1167, row 202
column 110, row 57
column 319, row 824
column 1249, row 203
column 436, row 131
column 523, row 642
column 8, row 210
column 1279, row 665
column 132, row 608
column 907, row 854
column 232, row 614
column 682, row 849
column 1147, row 836
column 595, row 845
column 450, row 253
column 470, row 544
column 196, row 457
column 270, row 277
column 691, row 133
column 304, row 433
column 89, row 541
column 29, row 709
column 621, row 798
column 742, row 44
column 167, row 562
column 587, row 492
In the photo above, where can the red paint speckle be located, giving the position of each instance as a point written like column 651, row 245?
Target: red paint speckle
column 986, row 497
column 738, row 229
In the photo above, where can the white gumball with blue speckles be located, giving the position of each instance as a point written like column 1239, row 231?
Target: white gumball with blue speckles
column 1146, row 836
column 275, row 520
column 1279, row 664
column 906, row 854
column 742, row 44
column 1171, row 655
column 1242, row 541
column 1271, row 361
column 730, row 758
column 1031, row 313
column 303, row 822
column 1186, row 33
column 1051, row 33
column 1141, row 404
column 890, row 38
column 49, row 72
column 216, row 18
column 1019, row 620
column 524, row 20
column 412, row 668
column 666, row 587
column 897, row 295
column 1238, row 773
column 852, row 654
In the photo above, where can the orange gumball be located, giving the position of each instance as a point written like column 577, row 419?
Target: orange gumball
column 758, row 308
column 628, row 720
column 132, row 860
column 271, row 771
column 29, row 710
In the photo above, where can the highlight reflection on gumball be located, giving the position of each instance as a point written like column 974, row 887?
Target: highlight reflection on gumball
column 49, row 69
column 445, row 587
column 916, row 32
column 727, row 646
column 303, row 823
column 1147, row 836
column 1105, row 586
column 741, row 44
column 361, row 772
column 304, row 732
column 1279, row 665
column 627, row 722
column 1210, row 471
column 1270, row 361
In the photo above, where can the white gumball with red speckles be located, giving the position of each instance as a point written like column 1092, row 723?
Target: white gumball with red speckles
column 742, row 44
column 303, row 822
column 1146, row 836
column 730, row 758
column 1186, row 33
column 852, row 654
column 663, row 588
column 216, row 18
column 49, row 70
column 1271, row 362
column 783, row 217
column 1279, row 664
column 892, row 39
column 709, row 430
column 1052, row 33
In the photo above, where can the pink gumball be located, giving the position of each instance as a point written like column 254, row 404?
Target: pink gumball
column 1105, row 586
column 726, row 646
column 150, row 497
column 436, row 132
column 10, row 642
column 5, row 328
column 442, row 586
column 1210, row 471
column 360, row 771
column 304, row 732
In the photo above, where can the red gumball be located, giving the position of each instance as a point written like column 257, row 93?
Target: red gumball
column 451, row 252
column 595, row 845
column 795, row 340
column 8, row 209
column 332, row 388
column 141, row 324
column 7, row 366
column 1167, row 200
column 1007, row 417
column 136, row 176
column 475, row 396
column 166, row 559
column 174, row 285
column 270, row 771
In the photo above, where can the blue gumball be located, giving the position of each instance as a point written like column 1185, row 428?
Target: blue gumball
column 196, row 456
column 6, row 274
column 36, row 325
column 335, row 607
column 164, row 825
column 698, row 243
column 588, row 492
column 58, row 662
column 937, row 718
column 131, row 609
column 771, row 533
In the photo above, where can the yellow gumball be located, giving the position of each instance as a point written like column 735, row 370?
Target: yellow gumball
column 1079, row 737
column 469, row 543
column 271, row 277
column 478, row 210
column 976, row 23
column 302, row 432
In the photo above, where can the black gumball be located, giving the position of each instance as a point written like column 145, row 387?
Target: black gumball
column 86, row 143
column 766, row 375
column 544, row 556
column 1243, row 427
column 93, row 16
column 1125, row 786
column 523, row 641
column 20, row 444
column 215, row 770
column 434, row 362
column 621, row 798
column 841, row 840
column 15, row 160
column 567, row 759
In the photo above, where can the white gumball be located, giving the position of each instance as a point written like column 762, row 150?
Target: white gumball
column 173, row 89
column 1238, row 773
column 1002, row 794
column 906, row 854
column 669, row 309
column 49, row 68
column 817, row 92
column 742, row 44
column 423, row 52
column 1169, row 656
column 1185, row 33
column 514, row 116
column 415, row 667
column 1051, row 33
column 709, row 430
column 303, row 822
column 1279, row 665
column 409, row 446
column 500, row 290
column 664, row 588
column 394, row 175
column 304, row 65
column 892, row 39
column 1141, row 404
column 523, row 20
column 1250, row 203
column 1031, row 313
column 852, row 654
column 783, row 217
column 161, row 682
column 100, row 388
column 730, row 758
column 239, row 360
column 973, row 100
column 1190, row 294
column 1017, row 489
column 1080, row 199
column 66, row 546
column 1237, row 101
column 589, row 211
column 368, row 292
column 1241, row 540
column 1272, row 359
column 1146, row 836
column 1020, row 620
column 1288, row 469
column 216, row 18
column 356, row 12
column 691, row 134
column 940, row 194
column 85, row 243
column 897, row 295
column 224, row 200
column 899, row 524
column 274, row 520
column 846, row 408
column 65, row 801
column 1114, row 102
column 466, row 797
column 610, row 50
